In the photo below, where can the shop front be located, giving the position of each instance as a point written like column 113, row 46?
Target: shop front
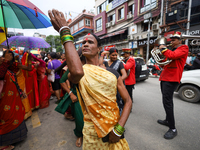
column 193, row 44
column 142, row 46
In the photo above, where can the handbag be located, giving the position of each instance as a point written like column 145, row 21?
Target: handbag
column 51, row 76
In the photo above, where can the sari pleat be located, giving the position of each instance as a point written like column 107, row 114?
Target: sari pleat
column 22, row 85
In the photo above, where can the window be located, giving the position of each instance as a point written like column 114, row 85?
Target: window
column 121, row 13
column 81, row 23
column 147, row 5
column 87, row 22
column 102, row 7
column 131, row 9
column 76, row 27
column 71, row 29
column 99, row 24
column 147, row 2
column 111, row 18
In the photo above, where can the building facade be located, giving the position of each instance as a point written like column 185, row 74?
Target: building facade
column 176, row 19
column 80, row 26
column 121, row 23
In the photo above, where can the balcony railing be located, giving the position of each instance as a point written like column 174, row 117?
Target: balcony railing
column 149, row 6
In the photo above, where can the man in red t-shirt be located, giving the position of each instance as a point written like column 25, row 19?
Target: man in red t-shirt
column 129, row 65
column 170, row 78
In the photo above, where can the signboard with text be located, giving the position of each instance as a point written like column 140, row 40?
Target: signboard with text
column 142, row 43
column 107, row 48
column 167, row 35
column 133, row 44
column 114, row 4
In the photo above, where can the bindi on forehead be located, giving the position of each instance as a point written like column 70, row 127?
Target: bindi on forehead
column 86, row 39
column 88, row 34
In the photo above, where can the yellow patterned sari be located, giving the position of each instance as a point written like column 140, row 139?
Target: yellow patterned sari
column 98, row 89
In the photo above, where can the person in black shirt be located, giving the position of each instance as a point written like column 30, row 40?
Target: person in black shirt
column 117, row 65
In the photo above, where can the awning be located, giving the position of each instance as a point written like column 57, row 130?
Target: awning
column 113, row 34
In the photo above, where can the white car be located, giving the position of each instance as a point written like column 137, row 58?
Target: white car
column 189, row 88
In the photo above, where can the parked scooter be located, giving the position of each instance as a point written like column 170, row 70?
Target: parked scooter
column 154, row 70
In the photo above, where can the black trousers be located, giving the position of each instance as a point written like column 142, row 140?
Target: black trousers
column 130, row 90
column 167, row 89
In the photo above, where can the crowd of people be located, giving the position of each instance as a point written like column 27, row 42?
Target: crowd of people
column 96, row 94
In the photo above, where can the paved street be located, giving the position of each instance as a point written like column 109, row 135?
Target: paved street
column 142, row 130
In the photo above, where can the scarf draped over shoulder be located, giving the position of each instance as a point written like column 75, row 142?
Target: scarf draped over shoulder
column 98, row 89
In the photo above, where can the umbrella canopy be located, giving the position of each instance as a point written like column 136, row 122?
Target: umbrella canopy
column 22, row 14
column 27, row 42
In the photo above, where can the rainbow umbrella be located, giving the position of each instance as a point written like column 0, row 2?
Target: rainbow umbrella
column 22, row 14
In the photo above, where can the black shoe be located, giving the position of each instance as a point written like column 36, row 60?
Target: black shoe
column 170, row 134
column 163, row 122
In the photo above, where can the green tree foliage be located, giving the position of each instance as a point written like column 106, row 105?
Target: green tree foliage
column 54, row 40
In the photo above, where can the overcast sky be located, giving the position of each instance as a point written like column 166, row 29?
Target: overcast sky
column 73, row 6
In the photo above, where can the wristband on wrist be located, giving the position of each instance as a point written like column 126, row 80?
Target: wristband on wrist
column 116, row 133
column 102, row 55
column 64, row 27
column 70, row 92
column 66, row 38
column 119, row 129
column 163, row 50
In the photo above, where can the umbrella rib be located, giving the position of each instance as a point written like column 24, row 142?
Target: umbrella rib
column 38, row 19
column 33, row 14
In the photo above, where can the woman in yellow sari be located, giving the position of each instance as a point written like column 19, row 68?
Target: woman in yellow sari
column 103, row 126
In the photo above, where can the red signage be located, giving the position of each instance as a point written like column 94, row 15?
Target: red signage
column 107, row 48
column 168, row 34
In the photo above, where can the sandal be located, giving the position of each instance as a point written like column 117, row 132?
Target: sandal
column 79, row 141
column 5, row 148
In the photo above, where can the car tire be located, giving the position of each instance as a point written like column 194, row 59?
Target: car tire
column 189, row 93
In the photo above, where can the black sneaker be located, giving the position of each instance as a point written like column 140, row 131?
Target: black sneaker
column 170, row 134
column 163, row 122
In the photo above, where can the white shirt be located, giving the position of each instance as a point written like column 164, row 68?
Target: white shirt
column 189, row 59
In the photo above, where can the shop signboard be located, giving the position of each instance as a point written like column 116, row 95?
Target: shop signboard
column 107, row 48
column 143, row 42
column 133, row 29
column 167, row 35
column 133, row 44
column 114, row 4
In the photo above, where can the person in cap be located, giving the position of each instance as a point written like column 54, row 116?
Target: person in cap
column 129, row 64
column 170, row 78
column 97, row 89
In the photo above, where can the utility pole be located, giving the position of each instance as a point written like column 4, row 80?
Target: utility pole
column 148, row 34
column 161, row 17
column 188, row 24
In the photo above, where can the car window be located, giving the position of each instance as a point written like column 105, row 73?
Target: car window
column 140, row 61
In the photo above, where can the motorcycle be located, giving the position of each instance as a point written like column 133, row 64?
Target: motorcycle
column 154, row 70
